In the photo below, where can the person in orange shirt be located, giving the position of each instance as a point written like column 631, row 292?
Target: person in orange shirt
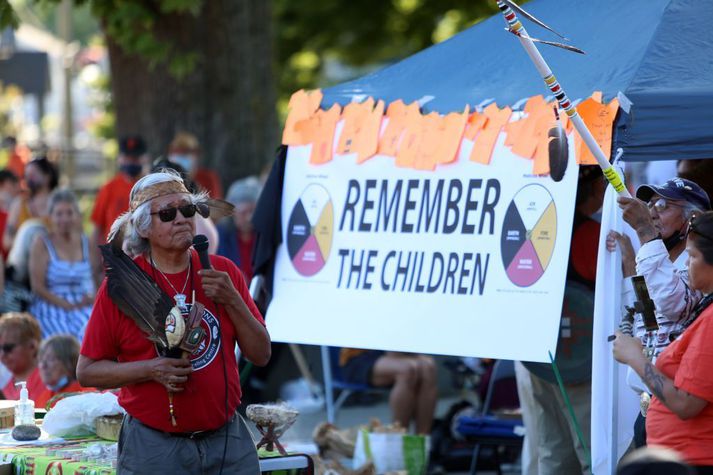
column 113, row 198
column 41, row 177
column 18, row 156
column 58, row 368
column 184, row 150
column 9, row 189
column 680, row 415
column 19, row 344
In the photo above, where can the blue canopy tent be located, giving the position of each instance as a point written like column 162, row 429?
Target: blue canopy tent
column 659, row 53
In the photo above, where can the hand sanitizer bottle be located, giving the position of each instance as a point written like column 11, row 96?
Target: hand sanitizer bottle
column 25, row 408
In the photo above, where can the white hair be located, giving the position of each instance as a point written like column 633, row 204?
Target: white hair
column 137, row 224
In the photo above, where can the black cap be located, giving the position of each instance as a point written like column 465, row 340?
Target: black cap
column 677, row 189
column 132, row 145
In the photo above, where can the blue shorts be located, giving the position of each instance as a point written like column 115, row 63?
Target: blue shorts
column 358, row 370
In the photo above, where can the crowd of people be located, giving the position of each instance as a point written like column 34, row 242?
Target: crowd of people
column 52, row 270
column 62, row 329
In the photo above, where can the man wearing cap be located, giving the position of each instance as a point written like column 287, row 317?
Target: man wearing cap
column 659, row 214
column 113, row 197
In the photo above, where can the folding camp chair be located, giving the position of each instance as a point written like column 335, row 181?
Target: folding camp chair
column 333, row 380
column 489, row 429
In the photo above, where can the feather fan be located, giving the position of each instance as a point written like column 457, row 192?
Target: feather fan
column 136, row 294
column 217, row 208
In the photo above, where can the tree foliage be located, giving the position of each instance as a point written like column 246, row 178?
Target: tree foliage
column 353, row 36
column 361, row 34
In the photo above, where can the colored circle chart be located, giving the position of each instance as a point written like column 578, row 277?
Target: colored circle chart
column 528, row 237
column 310, row 230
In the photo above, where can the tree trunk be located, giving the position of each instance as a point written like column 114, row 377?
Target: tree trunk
column 228, row 101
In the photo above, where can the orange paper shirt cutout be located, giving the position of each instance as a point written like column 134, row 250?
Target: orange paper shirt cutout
column 485, row 141
column 320, row 130
column 360, row 133
column 599, row 119
column 302, row 106
column 398, row 115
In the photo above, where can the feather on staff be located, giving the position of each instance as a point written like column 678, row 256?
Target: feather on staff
column 558, row 149
column 532, row 18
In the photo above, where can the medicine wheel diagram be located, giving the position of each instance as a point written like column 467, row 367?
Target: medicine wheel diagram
column 310, row 229
column 528, row 236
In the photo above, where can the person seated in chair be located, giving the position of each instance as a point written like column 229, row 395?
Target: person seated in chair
column 412, row 378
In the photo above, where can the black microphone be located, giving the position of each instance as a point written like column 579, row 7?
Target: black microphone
column 200, row 244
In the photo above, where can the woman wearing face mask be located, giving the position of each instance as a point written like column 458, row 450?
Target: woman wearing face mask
column 184, row 151
column 41, row 177
column 61, row 271
column 680, row 416
column 58, row 368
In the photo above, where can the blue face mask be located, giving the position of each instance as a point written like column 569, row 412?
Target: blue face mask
column 61, row 384
column 187, row 162
column 131, row 169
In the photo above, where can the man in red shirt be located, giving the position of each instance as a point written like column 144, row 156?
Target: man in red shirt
column 113, row 197
column 205, row 386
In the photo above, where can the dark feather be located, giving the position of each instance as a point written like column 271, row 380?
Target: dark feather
column 558, row 150
column 530, row 17
column 136, row 294
column 219, row 208
column 551, row 43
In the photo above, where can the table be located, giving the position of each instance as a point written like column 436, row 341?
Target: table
column 273, row 463
column 45, row 460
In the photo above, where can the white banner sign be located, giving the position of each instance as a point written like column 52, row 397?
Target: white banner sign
column 469, row 259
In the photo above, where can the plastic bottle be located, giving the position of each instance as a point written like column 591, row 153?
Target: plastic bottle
column 25, row 408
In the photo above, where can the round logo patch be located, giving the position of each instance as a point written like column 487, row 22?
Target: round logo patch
column 210, row 346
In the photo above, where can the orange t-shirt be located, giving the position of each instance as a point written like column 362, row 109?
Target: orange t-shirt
column 347, row 354
column 35, row 387
column 688, row 361
column 111, row 201
column 47, row 394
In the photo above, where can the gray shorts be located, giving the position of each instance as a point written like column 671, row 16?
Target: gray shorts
column 143, row 450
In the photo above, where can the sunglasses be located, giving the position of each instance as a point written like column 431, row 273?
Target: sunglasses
column 167, row 215
column 691, row 228
column 661, row 205
column 8, row 347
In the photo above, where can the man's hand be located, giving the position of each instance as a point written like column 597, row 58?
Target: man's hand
column 636, row 214
column 218, row 287
column 628, row 257
column 627, row 349
column 171, row 372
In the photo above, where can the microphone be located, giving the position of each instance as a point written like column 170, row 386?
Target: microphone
column 200, row 244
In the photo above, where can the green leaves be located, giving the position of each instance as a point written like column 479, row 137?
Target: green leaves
column 132, row 25
column 7, row 15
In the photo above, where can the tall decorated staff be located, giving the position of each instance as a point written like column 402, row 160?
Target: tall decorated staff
column 508, row 9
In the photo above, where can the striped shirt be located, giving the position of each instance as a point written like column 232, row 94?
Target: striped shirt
column 70, row 280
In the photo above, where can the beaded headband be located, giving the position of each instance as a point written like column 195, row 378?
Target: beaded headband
column 154, row 191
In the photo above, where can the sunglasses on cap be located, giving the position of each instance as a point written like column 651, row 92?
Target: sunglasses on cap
column 691, row 228
column 7, row 347
column 661, row 205
column 167, row 215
